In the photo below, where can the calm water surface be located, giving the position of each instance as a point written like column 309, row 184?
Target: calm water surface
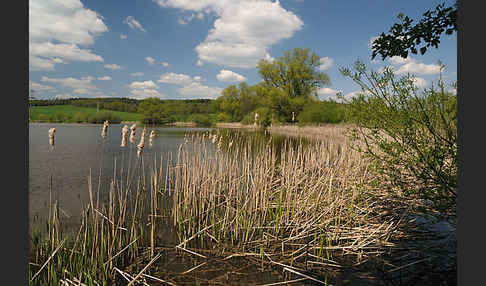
column 80, row 149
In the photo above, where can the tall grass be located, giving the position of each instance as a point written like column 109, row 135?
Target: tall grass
column 293, row 207
column 260, row 201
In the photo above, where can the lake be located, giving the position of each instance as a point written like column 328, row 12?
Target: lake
column 80, row 149
column 61, row 173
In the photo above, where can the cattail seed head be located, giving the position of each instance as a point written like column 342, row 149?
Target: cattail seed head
column 132, row 134
column 142, row 143
column 124, row 136
column 151, row 137
column 51, row 136
column 105, row 127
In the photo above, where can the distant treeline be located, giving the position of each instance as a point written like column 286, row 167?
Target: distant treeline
column 178, row 108
column 113, row 103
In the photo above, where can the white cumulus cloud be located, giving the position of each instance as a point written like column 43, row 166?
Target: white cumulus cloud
column 198, row 90
column 243, row 31
column 150, row 60
column 143, row 85
column 325, row 63
column 104, row 78
column 112, row 66
column 134, row 24
column 144, row 89
column 419, row 82
column 137, row 74
column 175, row 78
column 81, row 86
column 56, row 30
column 39, row 87
column 229, row 76
column 145, row 93
column 410, row 65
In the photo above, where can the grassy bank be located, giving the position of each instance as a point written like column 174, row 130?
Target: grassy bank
column 71, row 113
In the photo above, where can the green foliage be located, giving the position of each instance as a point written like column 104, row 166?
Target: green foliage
column 264, row 117
column 152, row 111
column 322, row 112
column 223, row 117
column 404, row 37
column 201, row 119
column 73, row 114
column 410, row 136
column 102, row 116
column 294, row 72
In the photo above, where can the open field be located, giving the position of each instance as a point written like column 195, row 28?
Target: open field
column 37, row 112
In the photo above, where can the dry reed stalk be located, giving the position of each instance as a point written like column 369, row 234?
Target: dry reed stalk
column 144, row 269
column 47, row 261
column 303, row 197
column 158, row 279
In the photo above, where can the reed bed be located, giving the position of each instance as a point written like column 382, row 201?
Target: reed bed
column 302, row 208
column 296, row 208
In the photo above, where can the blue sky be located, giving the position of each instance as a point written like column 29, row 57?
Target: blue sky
column 179, row 49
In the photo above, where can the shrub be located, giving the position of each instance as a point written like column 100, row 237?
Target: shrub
column 78, row 117
column 322, row 112
column 201, row 119
column 410, row 136
column 264, row 117
column 102, row 116
column 223, row 117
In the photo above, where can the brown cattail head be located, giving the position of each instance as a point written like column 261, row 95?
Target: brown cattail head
column 151, row 137
column 51, row 136
column 220, row 143
column 105, row 127
column 142, row 143
column 51, row 132
column 132, row 134
column 124, row 136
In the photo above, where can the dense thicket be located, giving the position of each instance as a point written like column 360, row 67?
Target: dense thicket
column 409, row 134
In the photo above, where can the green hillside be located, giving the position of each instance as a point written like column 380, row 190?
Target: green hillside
column 72, row 114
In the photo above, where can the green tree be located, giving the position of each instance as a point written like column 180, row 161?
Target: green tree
column 152, row 111
column 404, row 37
column 296, row 73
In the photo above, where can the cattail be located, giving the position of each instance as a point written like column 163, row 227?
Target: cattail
column 51, row 136
column 124, row 136
column 293, row 116
column 105, row 127
column 132, row 134
column 215, row 138
column 151, row 137
column 142, row 143
column 220, row 143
